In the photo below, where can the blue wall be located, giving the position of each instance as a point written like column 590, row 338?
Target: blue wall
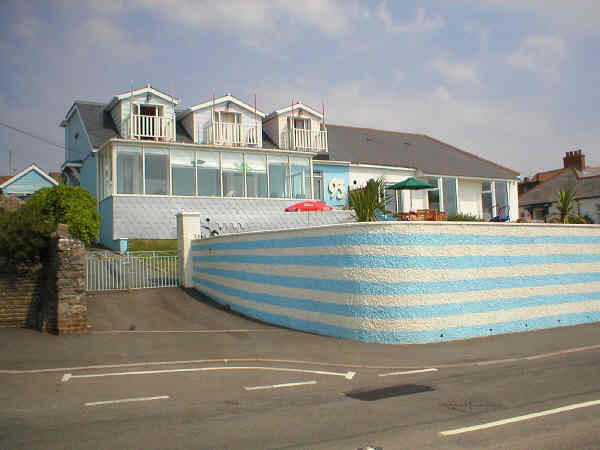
column 27, row 184
column 88, row 174
column 105, row 208
column 331, row 172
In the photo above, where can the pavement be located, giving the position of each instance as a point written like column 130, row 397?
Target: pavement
column 169, row 368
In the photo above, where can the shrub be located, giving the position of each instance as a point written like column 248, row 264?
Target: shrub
column 365, row 200
column 26, row 231
column 464, row 218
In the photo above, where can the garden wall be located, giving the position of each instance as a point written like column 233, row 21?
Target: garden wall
column 405, row 282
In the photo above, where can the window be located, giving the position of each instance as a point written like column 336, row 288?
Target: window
column 256, row 175
column 450, row 196
column 233, row 175
column 129, row 170
column 393, row 199
column 501, row 198
column 105, row 164
column 433, row 195
column 156, row 170
column 278, row 176
column 183, row 173
column 318, row 191
column 209, row 181
column 486, row 200
column 300, row 171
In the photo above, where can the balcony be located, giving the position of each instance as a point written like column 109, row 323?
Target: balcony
column 231, row 134
column 304, row 140
column 155, row 128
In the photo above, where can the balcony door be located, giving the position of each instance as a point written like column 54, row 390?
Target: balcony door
column 227, row 128
column 146, row 125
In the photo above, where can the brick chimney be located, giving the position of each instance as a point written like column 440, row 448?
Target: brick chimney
column 574, row 160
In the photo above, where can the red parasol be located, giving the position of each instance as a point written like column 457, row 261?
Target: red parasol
column 308, row 205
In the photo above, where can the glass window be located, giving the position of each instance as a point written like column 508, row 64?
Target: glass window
column 300, row 170
column 106, row 173
column 486, row 200
column 318, row 192
column 501, row 198
column 256, row 175
column 433, row 195
column 278, row 176
column 390, row 197
column 129, row 170
column 233, row 175
column 156, row 169
column 209, row 182
column 450, row 197
column 182, row 172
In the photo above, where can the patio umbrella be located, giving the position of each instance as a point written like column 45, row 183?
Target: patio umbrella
column 308, row 205
column 412, row 184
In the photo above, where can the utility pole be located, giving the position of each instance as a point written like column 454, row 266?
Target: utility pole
column 10, row 170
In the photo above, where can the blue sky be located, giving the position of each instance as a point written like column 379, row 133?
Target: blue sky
column 513, row 81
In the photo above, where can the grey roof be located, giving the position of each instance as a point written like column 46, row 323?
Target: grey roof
column 545, row 193
column 98, row 123
column 267, row 142
column 390, row 148
column 101, row 127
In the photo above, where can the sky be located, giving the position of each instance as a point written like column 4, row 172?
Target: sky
column 513, row 81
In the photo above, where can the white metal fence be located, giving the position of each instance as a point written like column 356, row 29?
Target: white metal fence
column 135, row 270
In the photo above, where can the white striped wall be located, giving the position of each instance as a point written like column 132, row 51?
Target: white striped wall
column 406, row 282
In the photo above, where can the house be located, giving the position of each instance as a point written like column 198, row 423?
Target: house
column 540, row 191
column 145, row 160
column 27, row 182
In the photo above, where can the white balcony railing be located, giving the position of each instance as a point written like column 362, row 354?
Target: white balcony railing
column 151, row 127
column 232, row 134
column 304, row 140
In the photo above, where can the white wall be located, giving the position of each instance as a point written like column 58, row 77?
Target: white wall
column 360, row 175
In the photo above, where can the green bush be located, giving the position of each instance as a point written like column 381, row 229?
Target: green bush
column 365, row 200
column 464, row 218
column 25, row 232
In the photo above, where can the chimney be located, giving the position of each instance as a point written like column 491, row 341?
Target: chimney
column 575, row 160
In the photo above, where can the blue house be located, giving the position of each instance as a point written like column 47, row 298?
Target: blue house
column 26, row 182
column 145, row 160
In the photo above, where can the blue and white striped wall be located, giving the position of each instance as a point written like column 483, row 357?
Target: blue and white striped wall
column 406, row 282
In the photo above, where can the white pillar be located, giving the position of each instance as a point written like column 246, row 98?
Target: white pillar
column 188, row 229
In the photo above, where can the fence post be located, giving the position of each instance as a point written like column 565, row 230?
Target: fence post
column 188, row 228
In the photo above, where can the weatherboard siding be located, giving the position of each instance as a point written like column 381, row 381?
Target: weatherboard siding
column 27, row 184
column 407, row 282
column 78, row 143
column 202, row 119
column 88, row 174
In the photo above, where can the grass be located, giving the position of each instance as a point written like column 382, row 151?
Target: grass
column 146, row 245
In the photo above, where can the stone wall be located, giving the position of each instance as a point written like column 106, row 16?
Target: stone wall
column 50, row 297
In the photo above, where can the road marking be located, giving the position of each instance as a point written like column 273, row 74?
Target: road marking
column 69, row 376
column 127, row 400
column 276, row 386
column 288, row 361
column 498, row 423
column 407, row 372
column 185, row 331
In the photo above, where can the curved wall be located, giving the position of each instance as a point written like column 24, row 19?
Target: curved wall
column 407, row 282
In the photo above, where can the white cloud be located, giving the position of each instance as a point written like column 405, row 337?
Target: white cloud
column 420, row 24
column 456, row 72
column 540, row 54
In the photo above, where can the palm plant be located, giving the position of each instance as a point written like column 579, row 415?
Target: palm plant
column 365, row 200
column 565, row 204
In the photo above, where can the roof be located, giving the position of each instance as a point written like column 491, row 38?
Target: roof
column 224, row 99
column 296, row 106
column 418, row 151
column 98, row 123
column 10, row 179
column 124, row 95
column 545, row 192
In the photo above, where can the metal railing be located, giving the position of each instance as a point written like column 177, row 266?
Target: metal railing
column 221, row 133
column 111, row 272
column 304, row 140
column 151, row 127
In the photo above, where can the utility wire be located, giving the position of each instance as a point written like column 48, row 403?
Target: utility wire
column 31, row 135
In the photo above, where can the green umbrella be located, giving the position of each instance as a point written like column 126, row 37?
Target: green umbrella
column 412, row 184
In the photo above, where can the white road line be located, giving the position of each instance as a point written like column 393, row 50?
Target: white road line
column 276, row 386
column 498, row 423
column 408, row 372
column 127, row 400
column 69, row 376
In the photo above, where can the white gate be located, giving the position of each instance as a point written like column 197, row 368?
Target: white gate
column 134, row 270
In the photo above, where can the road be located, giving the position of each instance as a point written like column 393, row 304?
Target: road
column 196, row 376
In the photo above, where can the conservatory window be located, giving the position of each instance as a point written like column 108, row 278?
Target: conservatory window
column 256, row 175
column 208, row 165
column 156, row 171
column 233, row 175
column 183, row 172
column 300, row 173
column 129, row 170
column 279, row 176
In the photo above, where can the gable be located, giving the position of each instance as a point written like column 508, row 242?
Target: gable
column 224, row 100
column 27, row 182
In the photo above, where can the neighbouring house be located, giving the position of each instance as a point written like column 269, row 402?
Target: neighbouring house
column 27, row 182
column 539, row 192
column 145, row 160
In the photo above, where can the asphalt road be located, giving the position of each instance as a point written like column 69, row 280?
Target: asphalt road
column 191, row 375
